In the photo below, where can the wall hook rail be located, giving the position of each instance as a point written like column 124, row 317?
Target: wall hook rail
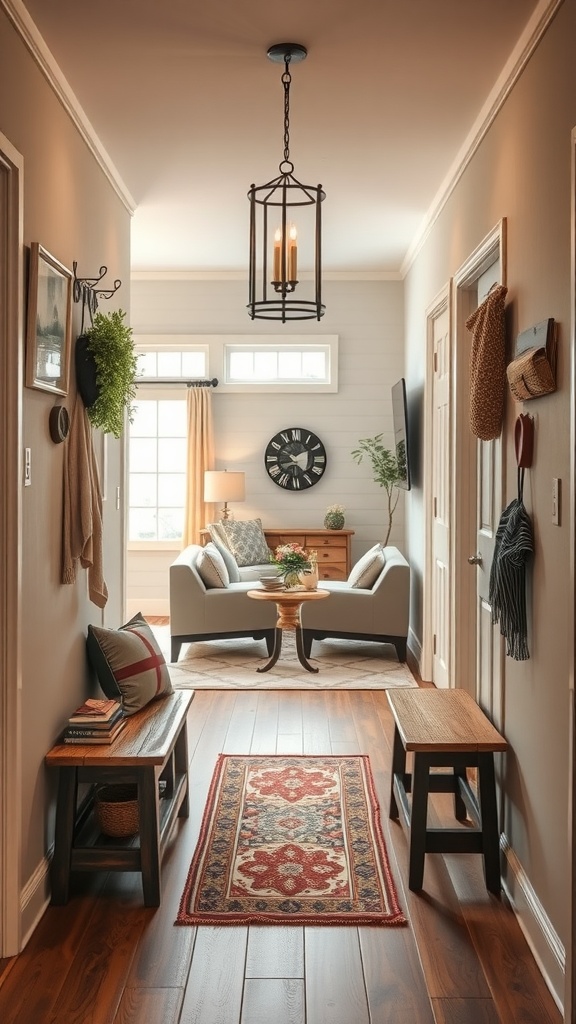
column 85, row 290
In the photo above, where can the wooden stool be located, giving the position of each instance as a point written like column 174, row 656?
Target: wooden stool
column 445, row 728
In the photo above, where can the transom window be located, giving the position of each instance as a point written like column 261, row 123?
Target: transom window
column 286, row 363
column 171, row 364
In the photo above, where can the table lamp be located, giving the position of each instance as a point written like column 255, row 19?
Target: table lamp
column 220, row 485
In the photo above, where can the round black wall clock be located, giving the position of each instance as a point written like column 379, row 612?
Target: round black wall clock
column 295, row 459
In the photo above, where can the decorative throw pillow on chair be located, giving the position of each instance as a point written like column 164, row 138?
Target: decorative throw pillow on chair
column 221, row 544
column 367, row 569
column 212, row 567
column 247, row 541
column 129, row 663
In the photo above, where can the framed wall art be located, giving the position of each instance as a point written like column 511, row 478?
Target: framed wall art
column 49, row 326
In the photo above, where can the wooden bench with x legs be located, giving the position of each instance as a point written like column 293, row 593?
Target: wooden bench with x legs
column 151, row 748
column 445, row 728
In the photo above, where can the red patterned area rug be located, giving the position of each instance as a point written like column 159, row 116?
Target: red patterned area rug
column 291, row 840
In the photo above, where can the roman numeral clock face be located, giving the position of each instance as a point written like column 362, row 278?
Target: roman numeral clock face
column 295, row 459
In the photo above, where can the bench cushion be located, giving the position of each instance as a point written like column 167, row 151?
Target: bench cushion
column 129, row 663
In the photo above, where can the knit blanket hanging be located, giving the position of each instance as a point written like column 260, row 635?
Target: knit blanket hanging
column 507, row 589
column 488, row 365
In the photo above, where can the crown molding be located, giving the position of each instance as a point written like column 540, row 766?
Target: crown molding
column 241, row 275
column 523, row 50
column 32, row 39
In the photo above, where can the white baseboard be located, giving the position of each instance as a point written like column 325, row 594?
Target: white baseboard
column 35, row 898
column 415, row 647
column 543, row 940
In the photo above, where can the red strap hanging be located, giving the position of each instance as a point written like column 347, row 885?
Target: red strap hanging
column 524, row 440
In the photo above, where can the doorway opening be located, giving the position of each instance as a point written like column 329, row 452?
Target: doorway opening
column 463, row 491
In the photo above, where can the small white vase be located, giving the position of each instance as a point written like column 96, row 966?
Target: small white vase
column 310, row 579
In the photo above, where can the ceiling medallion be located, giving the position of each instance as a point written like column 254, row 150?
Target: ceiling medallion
column 285, row 216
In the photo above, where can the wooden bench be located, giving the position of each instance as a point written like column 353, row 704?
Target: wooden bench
column 152, row 746
column 445, row 728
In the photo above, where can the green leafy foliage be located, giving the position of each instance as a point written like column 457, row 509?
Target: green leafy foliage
column 110, row 343
column 385, row 469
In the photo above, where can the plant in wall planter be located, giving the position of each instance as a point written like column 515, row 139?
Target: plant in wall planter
column 384, row 468
column 106, row 367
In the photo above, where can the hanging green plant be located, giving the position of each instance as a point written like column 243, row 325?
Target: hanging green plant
column 107, row 349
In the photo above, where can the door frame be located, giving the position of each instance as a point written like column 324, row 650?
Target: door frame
column 442, row 302
column 464, row 458
column 11, row 401
column 570, row 983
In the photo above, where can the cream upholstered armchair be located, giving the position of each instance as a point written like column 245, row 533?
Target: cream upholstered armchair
column 374, row 604
column 206, row 605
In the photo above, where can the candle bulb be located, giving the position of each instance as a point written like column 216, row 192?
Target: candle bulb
column 277, row 240
column 292, row 254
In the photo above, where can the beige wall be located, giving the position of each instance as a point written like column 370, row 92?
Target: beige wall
column 70, row 208
column 522, row 172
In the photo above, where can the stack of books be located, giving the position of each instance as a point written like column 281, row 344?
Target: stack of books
column 95, row 721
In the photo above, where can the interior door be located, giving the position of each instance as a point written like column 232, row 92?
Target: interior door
column 441, row 504
column 488, row 509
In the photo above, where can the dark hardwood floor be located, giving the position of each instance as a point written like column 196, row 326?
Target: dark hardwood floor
column 106, row 959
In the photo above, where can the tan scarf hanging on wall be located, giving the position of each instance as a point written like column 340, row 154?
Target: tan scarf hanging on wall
column 488, row 365
column 82, row 509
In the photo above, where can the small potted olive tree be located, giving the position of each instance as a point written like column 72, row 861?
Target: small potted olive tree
column 106, row 368
column 385, row 469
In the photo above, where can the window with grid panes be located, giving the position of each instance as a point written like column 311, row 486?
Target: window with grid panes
column 157, row 469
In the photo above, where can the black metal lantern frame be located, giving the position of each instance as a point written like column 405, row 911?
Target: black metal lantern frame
column 273, row 282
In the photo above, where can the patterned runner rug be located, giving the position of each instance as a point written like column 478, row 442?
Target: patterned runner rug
column 232, row 664
column 291, row 840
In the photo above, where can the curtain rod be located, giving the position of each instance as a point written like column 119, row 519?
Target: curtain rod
column 171, row 381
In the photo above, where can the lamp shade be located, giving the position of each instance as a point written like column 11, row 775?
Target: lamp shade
column 220, row 485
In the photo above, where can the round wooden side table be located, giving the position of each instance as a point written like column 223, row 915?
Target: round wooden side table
column 288, row 603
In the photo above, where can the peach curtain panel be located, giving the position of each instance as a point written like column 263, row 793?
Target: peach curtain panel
column 200, row 457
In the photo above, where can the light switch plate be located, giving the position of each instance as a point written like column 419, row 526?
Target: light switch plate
column 556, row 492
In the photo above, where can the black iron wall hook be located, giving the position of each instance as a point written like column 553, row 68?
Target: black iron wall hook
column 85, row 290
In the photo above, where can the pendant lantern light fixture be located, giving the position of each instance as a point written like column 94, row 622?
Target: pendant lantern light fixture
column 285, row 229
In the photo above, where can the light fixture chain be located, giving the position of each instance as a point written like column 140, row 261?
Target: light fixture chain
column 286, row 80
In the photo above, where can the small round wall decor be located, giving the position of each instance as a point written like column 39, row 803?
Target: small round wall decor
column 295, row 459
column 59, row 423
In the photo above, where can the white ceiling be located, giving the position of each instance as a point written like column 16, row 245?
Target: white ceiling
column 190, row 110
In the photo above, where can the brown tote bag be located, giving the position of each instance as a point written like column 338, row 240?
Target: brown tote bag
column 488, row 365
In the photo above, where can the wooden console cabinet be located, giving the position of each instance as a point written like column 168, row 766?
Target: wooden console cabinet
column 333, row 547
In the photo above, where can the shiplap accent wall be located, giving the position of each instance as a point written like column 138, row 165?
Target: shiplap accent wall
column 369, row 320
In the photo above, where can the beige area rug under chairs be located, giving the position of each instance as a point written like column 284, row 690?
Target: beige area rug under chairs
column 232, row 664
